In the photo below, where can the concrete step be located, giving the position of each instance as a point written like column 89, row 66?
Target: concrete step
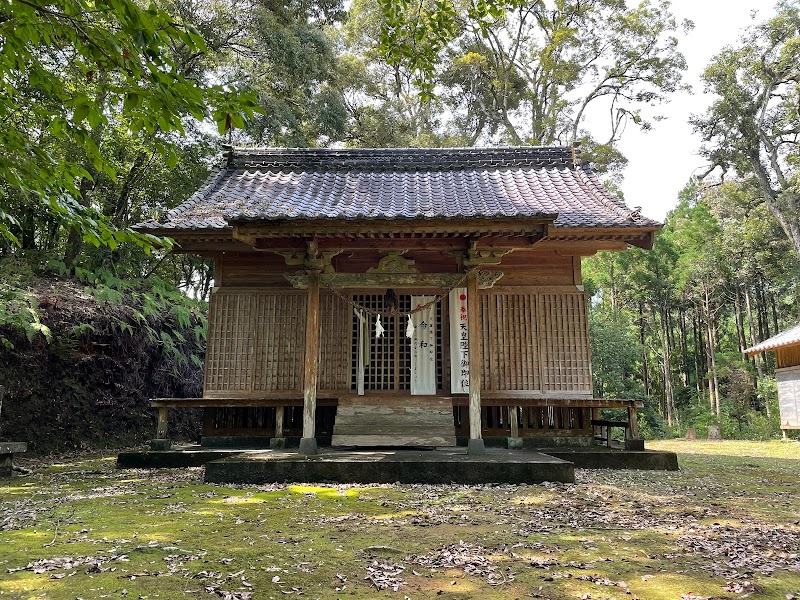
column 394, row 440
column 415, row 421
column 389, row 429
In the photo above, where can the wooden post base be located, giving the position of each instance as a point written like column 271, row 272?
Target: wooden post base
column 6, row 465
column 514, row 443
column 160, row 444
column 476, row 447
column 277, row 443
column 7, row 452
column 308, row 446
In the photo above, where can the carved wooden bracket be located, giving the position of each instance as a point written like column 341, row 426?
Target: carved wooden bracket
column 394, row 262
column 487, row 279
column 312, row 259
column 477, row 257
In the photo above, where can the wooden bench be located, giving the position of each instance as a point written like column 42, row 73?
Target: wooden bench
column 7, row 452
column 606, row 426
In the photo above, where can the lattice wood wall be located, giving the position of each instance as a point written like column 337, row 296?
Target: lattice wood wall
column 510, row 353
column 535, row 341
column 564, row 342
column 389, row 365
column 255, row 341
column 335, row 343
column 531, row 341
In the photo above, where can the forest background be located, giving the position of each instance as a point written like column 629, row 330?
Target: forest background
column 114, row 112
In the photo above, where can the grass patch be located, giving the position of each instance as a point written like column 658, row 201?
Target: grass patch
column 726, row 526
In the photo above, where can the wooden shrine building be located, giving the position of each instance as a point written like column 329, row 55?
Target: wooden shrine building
column 400, row 297
column 786, row 346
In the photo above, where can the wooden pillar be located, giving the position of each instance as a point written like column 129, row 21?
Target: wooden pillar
column 279, row 421
column 161, row 441
column 278, row 442
column 163, row 423
column 632, row 440
column 513, row 421
column 209, row 414
column 633, row 422
column 308, row 443
column 476, row 445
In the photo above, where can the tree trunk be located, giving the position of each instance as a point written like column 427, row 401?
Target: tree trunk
column 774, row 312
column 739, row 320
column 758, row 359
column 683, row 347
column 763, row 324
column 75, row 238
column 119, row 211
column 713, row 381
column 699, row 357
column 645, row 366
column 666, row 367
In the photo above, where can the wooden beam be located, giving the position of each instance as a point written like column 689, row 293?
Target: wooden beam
column 528, row 227
column 299, row 280
column 539, row 401
column 239, row 402
column 474, row 349
column 308, row 444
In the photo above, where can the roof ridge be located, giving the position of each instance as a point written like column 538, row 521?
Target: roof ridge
column 401, row 159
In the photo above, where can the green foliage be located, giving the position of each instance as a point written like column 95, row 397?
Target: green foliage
column 130, row 307
column 529, row 73
column 616, row 355
column 70, row 70
column 677, row 318
column 19, row 308
column 652, row 425
column 753, row 126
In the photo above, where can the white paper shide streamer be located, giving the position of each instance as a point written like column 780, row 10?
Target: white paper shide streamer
column 410, row 328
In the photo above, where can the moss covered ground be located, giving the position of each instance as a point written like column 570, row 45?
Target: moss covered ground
column 727, row 525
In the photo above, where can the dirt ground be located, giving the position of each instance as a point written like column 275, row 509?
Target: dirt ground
column 727, row 525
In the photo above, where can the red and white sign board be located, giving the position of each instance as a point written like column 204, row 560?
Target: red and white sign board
column 459, row 344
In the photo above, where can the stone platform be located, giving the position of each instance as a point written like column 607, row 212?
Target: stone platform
column 443, row 465
column 178, row 457
column 612, row 458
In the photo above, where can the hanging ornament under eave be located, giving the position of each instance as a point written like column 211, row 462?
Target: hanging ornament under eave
column 378, row 327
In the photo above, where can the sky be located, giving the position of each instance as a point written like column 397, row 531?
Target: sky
column 662, row 160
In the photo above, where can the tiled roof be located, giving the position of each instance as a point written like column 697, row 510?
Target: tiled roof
column 409, row 184
column 784, row 338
